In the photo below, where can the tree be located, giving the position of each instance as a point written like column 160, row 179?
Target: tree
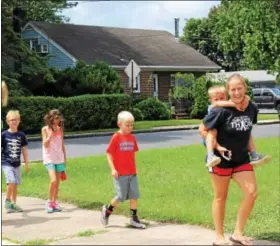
column 199, row 34
column 18, row 61
column 85, row 79
column 239, row 35
column 253, row 28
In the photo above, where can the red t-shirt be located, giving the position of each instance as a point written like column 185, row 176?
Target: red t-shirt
column 122, row 148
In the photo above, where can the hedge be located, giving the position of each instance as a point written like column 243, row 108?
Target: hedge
column 81, row 112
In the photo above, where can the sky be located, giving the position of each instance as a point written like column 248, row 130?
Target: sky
column 158, row 15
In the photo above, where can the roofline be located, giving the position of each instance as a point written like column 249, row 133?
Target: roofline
column 173, row 68
column 50, row 40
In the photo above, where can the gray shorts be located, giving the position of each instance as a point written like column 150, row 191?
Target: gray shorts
column 126, row 188
column 12, row 174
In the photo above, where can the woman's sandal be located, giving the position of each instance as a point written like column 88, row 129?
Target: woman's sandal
column 241, row 242
column 220, row 244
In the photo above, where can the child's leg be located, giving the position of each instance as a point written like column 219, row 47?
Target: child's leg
column 56, row 187
column 133, row 204
column 252, row 147
column 256, row 159
column 14, row 193
column 52, row 185
column 10, row 188
column 133, row 195
column 11, row 183
column 211, row 142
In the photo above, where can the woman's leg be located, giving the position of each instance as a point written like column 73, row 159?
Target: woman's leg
column 220, row 186
column 247, row 182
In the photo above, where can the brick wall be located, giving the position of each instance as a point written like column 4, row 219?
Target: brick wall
column 146, row 83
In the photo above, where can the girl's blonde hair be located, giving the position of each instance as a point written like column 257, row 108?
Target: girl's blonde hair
column 238, row 77
column 4, row 94
column 51, row 116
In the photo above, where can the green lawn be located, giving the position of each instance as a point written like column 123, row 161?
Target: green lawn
column 174, row 185
column 147, row 125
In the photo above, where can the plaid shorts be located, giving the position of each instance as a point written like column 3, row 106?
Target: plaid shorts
column 12, row 174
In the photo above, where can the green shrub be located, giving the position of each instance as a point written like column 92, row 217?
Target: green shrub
column 80, row 112
column 200, row 94
column 137, row 114
column 153, row 109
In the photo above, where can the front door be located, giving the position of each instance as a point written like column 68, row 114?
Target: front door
column 155, row 79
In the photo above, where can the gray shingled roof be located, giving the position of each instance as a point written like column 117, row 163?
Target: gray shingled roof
column 146, row 47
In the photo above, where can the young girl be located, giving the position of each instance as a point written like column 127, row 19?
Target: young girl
column 54, row 155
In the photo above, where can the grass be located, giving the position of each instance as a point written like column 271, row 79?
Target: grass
column 268, row 117
column 148, row 125
column 38, row 242
column 175, row 187
column 89, row 233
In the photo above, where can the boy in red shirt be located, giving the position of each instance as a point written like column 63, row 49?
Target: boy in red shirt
column 121, row 158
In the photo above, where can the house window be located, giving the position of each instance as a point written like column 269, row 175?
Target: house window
column 136, row 84
column 34, row 45
column 44, row 48
column 172, row 80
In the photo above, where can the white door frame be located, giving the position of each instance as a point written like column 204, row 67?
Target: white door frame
column 155, row 84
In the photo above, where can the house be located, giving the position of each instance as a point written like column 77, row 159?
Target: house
column 256, row 78
column 158, row 53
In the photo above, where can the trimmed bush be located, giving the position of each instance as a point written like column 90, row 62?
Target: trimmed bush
column 137, row 114
column 81, row 112
column 153, row 109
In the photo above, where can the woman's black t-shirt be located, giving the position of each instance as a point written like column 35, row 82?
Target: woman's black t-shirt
column 234, row 129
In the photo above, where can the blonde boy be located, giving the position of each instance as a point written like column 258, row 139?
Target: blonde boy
column 13, row 143
column 218, row 98
column 121, row 159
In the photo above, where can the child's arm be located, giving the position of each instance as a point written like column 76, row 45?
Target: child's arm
column 223, row 104
column 202, row 130
column 25, row 158
column 112, row 166
column 46, row 135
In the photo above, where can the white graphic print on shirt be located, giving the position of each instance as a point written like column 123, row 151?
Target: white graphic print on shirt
column 14, row 147
column 241, row 123
column 126, row 146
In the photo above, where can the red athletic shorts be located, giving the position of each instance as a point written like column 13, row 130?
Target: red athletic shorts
column 229, row 171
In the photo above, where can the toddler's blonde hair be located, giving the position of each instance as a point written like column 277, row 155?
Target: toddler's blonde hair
column 125, row 115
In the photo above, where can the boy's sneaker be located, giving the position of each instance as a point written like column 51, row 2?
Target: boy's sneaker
column 260, row 160
column 56, row 207
column 49, row 207
column 134, row 221
column 213, row 161
column 8, row 206
column 16, row 208
column 104, row 218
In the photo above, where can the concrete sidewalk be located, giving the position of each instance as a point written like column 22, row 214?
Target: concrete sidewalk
column 63, row 228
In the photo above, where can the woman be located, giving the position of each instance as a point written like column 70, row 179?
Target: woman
column 234, row 126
